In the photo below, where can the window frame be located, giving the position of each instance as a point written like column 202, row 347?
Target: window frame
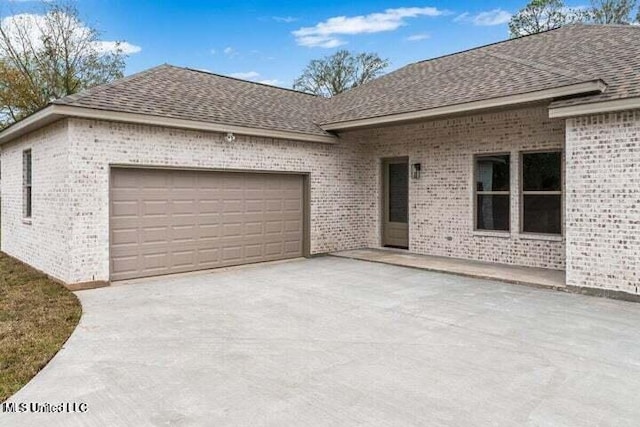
column 524, row 193
column 475, row 193
column 27, row 184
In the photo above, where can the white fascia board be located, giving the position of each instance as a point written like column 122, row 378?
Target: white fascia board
column 56, row 112
column 595, row 108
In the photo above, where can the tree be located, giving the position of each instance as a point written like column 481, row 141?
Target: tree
column 542, row 15
column 612, row 11
column 339, row 72
column 50, row 55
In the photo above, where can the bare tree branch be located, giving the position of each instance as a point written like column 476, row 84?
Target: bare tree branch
column 50, row 55
column 339, row 72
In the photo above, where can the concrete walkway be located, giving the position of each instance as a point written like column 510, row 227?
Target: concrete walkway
column 543, row 277
column 339, row 342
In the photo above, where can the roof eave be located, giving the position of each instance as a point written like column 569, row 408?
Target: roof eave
column 56, row 112
column 592, row 86
column 610, row 106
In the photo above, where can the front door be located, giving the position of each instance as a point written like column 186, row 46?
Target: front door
column 395, row 228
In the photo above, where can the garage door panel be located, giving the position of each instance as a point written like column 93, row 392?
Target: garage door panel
column 183, row 206
column 209, row 231
column 253, row 228
column 208, row 256
column 166, row 221
column 232, row 253
column 125, row 208
column 273, row 205
column 210, row 206
column 183, row 258
column 125, row 236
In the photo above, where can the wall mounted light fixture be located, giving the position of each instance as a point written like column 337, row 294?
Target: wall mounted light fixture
column 230, row 137
column 415, row 170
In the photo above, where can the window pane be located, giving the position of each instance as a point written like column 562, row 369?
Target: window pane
column 398, row 192
column 492, row 173
column 27, row 206
column 492, row 212
column 541, row 171
column 542, row 214
column 27, row 167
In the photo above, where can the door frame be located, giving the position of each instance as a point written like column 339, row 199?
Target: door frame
column 384, row 196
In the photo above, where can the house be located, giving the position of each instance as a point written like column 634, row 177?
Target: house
column 523, row 152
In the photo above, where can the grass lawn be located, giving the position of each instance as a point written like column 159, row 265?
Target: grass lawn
column 37, row 315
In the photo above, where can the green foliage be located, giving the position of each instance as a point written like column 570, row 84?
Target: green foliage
column 50, row 55
column 339, row 72
column 612, row 11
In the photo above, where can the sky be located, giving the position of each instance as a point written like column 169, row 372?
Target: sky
column 272, row 42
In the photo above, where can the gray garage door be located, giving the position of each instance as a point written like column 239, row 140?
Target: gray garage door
column 172, row 221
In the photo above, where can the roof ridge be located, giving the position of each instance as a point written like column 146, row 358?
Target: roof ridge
column 211, row 73
column 563, row 27
column 494, row 44
column 540, row 66
column 101, row 88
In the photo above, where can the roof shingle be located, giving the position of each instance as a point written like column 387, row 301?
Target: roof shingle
column 182, row 93
column 566, row 56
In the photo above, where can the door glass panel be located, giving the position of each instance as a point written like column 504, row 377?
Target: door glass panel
column 398, row 192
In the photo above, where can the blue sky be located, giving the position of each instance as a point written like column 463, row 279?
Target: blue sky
column 273, row 41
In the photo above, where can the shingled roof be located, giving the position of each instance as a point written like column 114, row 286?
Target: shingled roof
column 601, row 61
column 568, row 55
column 183, row 93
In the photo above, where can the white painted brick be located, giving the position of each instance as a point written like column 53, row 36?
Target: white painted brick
column 441, row 202
column 44, row 243
column 336, row 173
column 68, row 237
column 603, row 201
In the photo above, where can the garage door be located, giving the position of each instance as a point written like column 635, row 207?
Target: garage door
column 172, row 221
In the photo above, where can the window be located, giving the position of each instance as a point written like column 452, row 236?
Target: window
column 26, row 183
column 492, row 185
column 542, row 193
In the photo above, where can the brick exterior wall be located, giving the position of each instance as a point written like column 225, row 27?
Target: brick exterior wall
column 603, row 201
column 336, row 179
column 441, row 201
column 43, row 243
column 70, row 232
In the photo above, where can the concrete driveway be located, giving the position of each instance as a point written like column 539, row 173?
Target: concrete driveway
column 331, row 341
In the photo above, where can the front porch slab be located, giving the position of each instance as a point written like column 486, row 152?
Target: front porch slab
column 539, row 277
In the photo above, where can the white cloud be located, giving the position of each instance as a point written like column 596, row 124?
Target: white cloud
column 285, row 19
column 125, row 47
column 229, row 51
column 213, row 51
column 254, row 76
column 326, row 34
column 33, row 24
column 249, row 75
column 270, row 82
column 485, row 19
column 462, row 17
column 492, row 17
column 418, row 37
